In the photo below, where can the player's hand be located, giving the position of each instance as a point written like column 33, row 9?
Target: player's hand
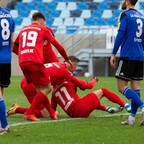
column 95, row 79
column 113, row 61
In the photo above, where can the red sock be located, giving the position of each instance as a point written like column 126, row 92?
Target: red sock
column 38, row 113
column 38, row 100
column 102, row 107
column 21, row 110
column 113, row 97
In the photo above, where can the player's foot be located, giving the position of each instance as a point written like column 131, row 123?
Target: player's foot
column 12, row 110
column 4, row 130
column 130, row 121
column 114, row 109
column 31, row 117
column 142, row 121
column 55, row 116
column 128, row 107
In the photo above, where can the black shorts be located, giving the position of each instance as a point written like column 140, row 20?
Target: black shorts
column 130, row 70
column 5, row 74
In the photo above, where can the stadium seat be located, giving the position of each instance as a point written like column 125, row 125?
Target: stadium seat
column 61, row 30
column 40, row 6
column 79, row 22
column 17, row 21
column 49, row 22
column 51, row 6
column 14, row 13
column 24, row 13
column 27, row 1
column 100, row 22
column 106, row 14
column 86, row 14
column 89, row 21
column 116, row 13
column 92, row 6
column 61, row 6
column 54, row 13
column 75, row 13
column 65, row 13
column 68, row 21
column 96, row 14
column 47, row 1
column 114, row 5
column 71, row 6
column 103, row 6
column 81, row 6
column 57, row 21
column 31, row 6
column 98, row 1
column 71, row 29
column 112, row 21
column 26, row 21
column 20, row 5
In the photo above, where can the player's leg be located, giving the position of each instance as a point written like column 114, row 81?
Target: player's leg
column 116, row 99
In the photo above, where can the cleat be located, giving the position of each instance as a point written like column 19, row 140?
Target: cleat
column 55, row 116
column 31, row 118
column 142, row 121
column 128, row 107
column 114, row 109
column 4, row 130
column 130, row 121
column 12, row 110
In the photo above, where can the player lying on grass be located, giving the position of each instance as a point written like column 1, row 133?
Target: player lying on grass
column 58, row 73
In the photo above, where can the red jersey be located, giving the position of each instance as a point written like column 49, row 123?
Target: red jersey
column 31, row 40
column 58, row 72
column 65, row 95
column 49, row 54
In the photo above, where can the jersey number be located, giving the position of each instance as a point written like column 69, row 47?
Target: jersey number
column 68, row 97
column 140, row 25
column 5, row 33
column 29, row 38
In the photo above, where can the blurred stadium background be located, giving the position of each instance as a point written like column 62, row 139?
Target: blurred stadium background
column 86, row 28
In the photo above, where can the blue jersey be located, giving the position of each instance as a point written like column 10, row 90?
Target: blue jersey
column 6, row 29
column 130, row 36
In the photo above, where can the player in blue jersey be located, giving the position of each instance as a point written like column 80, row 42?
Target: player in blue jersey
column 130, row 38
column 6, row 36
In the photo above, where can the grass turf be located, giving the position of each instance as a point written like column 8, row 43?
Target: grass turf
column 99, row 128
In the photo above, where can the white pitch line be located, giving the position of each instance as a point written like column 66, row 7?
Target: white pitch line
column 68, row 119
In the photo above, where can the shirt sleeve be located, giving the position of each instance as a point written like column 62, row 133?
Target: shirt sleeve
column 83, row 84
column 121, row 32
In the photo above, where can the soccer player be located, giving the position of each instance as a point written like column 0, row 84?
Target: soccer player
column 130, row 38
column 58, row 73
column 66, row 97
column 29, row 43
column 6, row 37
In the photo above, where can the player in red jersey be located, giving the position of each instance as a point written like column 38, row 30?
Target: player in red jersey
column 57, row 72
column 29, row 43
column 66, row 97
column 60, row 74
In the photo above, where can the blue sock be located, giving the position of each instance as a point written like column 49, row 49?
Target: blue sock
column 133, row 96
column 3, row 117
column 134, row 106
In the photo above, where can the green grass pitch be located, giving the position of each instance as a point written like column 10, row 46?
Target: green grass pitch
column 99, row 128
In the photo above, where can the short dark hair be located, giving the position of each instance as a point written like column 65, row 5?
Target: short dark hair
column 74, row 59
column 133, row 2
column 38, row 15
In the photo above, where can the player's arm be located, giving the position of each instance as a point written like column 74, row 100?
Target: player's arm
column 16, row 46
column 120, row 34
column 83, row 84
column 53, row 103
